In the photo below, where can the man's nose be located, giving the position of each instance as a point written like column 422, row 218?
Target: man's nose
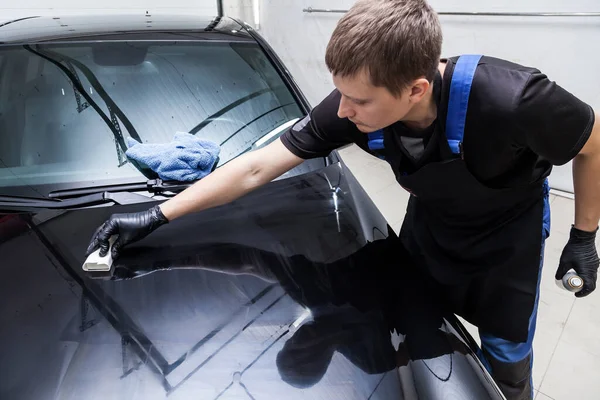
column 344, row 110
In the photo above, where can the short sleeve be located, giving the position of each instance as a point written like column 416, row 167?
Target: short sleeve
column 320, row 132
column 556, row 124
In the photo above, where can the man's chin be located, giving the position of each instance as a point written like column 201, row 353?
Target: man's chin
column 365, row 129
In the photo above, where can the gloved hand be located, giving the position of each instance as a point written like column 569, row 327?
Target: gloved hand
column 129, row 228
column 580, row 254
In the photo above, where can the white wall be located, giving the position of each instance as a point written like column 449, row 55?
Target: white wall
column 243, row 10
column 566, row 48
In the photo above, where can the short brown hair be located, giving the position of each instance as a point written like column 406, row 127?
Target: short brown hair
column 396, row 41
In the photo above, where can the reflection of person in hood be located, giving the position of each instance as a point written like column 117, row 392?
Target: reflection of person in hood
column 356, row 301
column 363, row 338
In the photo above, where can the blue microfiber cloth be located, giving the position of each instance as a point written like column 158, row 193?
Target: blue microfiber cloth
column 186, row 158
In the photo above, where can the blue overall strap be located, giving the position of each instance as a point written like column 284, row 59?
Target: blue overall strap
column 375, row 140
column 460, row 89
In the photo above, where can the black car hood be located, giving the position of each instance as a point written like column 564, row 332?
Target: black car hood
column 297, row 290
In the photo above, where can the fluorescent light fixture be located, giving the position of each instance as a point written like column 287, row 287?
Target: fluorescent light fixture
column 256, row 11
column 274, row 132
column 562, row 193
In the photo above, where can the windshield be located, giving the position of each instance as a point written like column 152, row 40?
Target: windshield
column 66, row 110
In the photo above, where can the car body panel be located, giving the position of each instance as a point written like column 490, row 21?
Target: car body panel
column 215, row 318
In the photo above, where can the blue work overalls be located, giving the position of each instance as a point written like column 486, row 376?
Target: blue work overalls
column 484, row 245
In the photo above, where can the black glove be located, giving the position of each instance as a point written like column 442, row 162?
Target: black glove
column 129, row 228
column 580, row 254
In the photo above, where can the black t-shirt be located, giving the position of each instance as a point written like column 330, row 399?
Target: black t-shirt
column 519, row 123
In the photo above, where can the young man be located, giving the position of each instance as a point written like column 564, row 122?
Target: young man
column 472, row 138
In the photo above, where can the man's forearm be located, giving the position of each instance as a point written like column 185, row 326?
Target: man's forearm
column 235, row 179
column 586, row 181
column 222, row 186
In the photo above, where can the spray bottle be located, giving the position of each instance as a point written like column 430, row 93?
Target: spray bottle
column 571, row 282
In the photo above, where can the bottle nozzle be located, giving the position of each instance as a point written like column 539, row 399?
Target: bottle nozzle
column 571, row 282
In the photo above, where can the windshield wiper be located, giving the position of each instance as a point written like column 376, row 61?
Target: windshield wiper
column 154, row 186
column 19, row 199
column 8, row 203
column 114, row 110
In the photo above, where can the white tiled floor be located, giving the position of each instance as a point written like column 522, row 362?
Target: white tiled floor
column 567, row 343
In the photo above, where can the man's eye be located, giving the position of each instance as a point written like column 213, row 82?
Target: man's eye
column 360, row 102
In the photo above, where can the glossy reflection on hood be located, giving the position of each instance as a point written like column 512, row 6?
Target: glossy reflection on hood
column 299, row 290
column 356, row 307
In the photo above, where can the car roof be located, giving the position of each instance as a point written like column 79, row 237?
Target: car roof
column 140, row 26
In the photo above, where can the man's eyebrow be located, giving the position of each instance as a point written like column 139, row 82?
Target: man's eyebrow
column 355, row 99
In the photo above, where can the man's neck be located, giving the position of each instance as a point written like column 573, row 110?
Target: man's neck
column 424, row 113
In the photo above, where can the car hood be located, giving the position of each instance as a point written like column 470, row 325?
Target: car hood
column 297, row 290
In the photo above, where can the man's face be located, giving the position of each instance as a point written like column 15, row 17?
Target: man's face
column 369, row 107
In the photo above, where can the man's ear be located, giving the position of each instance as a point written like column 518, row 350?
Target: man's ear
column 418, row 89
